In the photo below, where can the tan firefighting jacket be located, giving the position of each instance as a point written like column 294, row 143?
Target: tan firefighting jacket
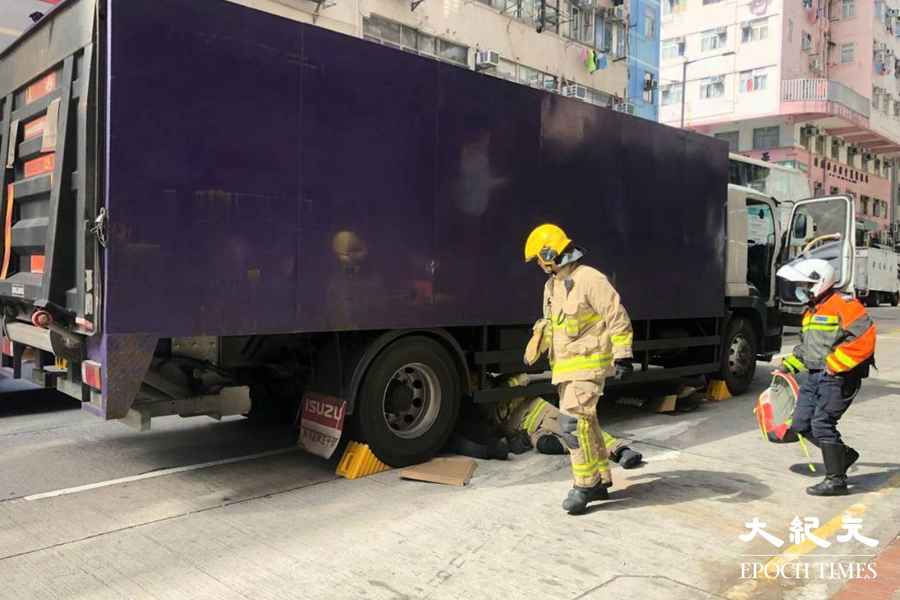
column 590, row 327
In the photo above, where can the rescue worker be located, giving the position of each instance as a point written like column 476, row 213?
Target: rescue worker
column 588, row 335
column 534, row 423
column 837, row 346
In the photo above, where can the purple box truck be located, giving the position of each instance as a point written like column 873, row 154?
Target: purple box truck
column 211, row 210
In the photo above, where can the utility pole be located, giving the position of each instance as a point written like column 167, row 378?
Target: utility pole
column 684, row 67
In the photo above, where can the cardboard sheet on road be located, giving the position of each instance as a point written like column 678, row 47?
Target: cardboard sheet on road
column 449, row 470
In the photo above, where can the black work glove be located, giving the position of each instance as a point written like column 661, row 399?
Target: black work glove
column 623, row 367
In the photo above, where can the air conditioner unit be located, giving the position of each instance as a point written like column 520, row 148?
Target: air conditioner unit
column 584, row 4
column 601, row 12
column 574, row 90
column 486, row 59
column 815, row 64
column 624, row 107
column 619, row 12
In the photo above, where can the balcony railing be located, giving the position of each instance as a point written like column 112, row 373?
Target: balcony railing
column 824, row 90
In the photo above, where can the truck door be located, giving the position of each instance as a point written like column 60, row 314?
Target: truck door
column 819, row 228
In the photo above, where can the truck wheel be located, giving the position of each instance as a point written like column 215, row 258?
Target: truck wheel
column 409, row 401
column 739, row 356
column 895, row 299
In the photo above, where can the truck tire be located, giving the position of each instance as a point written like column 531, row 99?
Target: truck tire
column 409, row 401
column 739, row 356
column 895, row 299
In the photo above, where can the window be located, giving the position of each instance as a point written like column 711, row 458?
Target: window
column 752, row 81
column 732, row 137
column 712, row 87
column 848, row 9
column 620, row 40
column 672, row 48
column 673, row 6
column 649, row 24
column 806, row 41
column 820, row 144
column 397, row 35
column 713, row 39
column 848, row 53
column 835, row 149
column 650, row 85
column 790, row 34
column 671, row 94
column 755, row 31
column 765, row 138
column 506, row 69
column 603, row 35
column 581, row 25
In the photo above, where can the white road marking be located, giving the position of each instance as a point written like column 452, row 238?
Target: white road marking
column 153, row 474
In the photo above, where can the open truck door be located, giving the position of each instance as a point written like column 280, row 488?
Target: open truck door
column 818, row 228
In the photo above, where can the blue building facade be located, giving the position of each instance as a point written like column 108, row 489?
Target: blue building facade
column 643, row 57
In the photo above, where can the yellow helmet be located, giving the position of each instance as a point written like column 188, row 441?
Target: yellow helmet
column 349, row 248
column 546, row 242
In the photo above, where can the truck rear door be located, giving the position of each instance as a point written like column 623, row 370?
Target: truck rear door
column 48, row 177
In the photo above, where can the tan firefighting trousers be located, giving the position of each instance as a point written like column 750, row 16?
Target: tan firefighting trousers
column 539, row 418
column 581, row 432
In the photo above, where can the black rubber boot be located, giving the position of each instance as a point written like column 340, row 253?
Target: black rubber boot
column 851, row 457
column 577, row 500
column 835, row 482
column 519, row 443
column 627, row 458
column 550, row 444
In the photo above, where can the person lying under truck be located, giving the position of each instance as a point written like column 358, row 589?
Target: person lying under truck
column 534, row 423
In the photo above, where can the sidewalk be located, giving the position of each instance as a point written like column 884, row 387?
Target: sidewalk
column 886, row 587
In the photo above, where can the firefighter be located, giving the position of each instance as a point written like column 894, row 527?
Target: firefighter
column 534, row 423
column 588, row 335
column 837, row 346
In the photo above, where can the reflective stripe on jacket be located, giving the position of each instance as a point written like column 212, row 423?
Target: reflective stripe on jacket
column 837, row 333
column 590, row 327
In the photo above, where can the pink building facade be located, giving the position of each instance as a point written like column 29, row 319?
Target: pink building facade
column 813, row 84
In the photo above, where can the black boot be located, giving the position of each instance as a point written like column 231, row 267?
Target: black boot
column 835, row 483
column 627, row 458
column 519, row 442
column 851, row 457
column 550, row 444
column 579, row 497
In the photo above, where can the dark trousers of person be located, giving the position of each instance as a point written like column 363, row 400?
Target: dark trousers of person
column 820, row 406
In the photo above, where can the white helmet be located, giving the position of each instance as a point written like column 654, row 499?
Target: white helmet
column 814, row 271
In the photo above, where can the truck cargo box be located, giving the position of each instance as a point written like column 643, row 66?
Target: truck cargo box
column 237, row 146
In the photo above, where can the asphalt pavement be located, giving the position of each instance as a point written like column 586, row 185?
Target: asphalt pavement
column 202, row 509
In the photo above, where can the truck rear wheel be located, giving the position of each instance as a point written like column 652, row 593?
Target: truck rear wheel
column 895, row 299
column 739, row 356
column 409, row 401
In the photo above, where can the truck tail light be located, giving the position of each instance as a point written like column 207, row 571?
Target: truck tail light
column 90, row 374
column 6, row 346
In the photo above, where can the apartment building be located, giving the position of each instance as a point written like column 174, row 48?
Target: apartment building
column 643, row 57
column 813, row 84
column 572, row 47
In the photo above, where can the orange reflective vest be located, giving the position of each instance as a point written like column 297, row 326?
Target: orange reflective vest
column 837, row 333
